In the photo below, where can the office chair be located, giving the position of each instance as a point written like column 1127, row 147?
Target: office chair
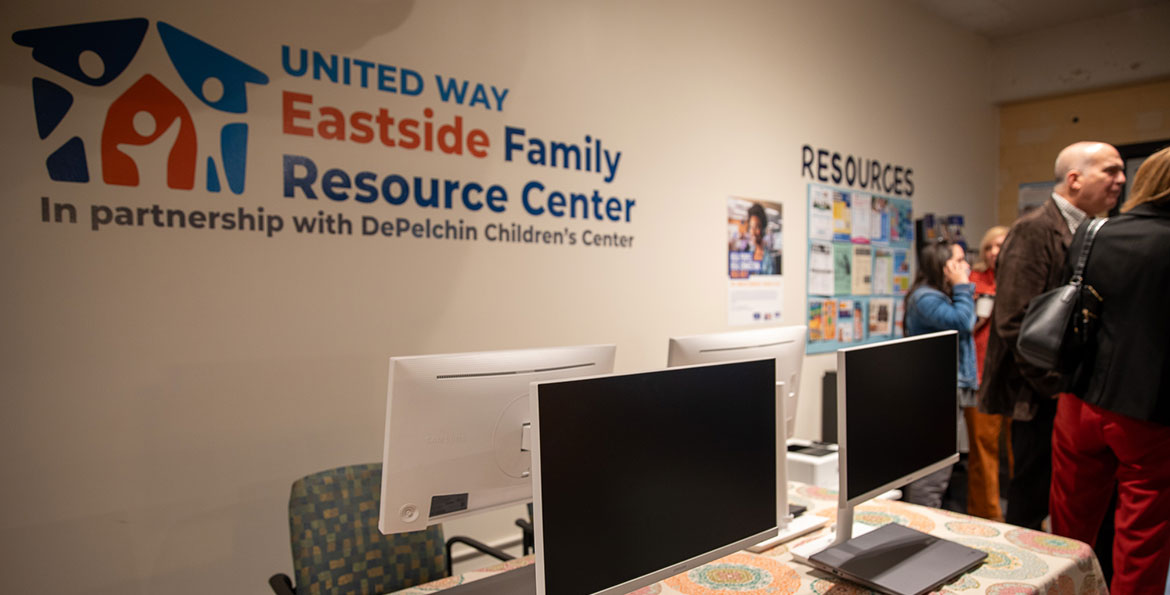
column 527, row 535
column 338, row 550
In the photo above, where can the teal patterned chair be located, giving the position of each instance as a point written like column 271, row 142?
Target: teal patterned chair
column 337, row 548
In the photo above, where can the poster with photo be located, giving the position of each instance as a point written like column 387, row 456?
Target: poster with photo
column 754, row 261
column 754, row 244
column 858, row 274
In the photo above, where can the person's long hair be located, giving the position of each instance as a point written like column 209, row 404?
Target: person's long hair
column 932, row 260
column 992, row 234
column 1151, row 183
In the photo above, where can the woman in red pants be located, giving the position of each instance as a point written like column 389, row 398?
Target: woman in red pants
column 1117, row 425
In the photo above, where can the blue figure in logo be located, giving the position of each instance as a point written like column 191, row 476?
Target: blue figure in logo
column 115, row 43
column 197, row 63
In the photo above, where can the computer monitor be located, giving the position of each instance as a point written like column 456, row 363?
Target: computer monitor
column 659, row 471
column 897, row 422
column 784, row 343
column 896, row 414
column 456, row 430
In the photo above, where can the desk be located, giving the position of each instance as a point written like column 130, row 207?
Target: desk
column 1019, row 560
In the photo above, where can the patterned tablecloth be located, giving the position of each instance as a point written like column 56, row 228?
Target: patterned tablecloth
column 1018, row 560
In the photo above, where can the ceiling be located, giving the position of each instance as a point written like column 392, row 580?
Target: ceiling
column 1005, row 18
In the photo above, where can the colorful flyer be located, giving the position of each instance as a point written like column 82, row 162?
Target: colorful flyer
column 845, row 321
column 901, row 272
column 880, row 220
column 841, row 218
column 829, row 319
column 902, row 224
column 815, row 325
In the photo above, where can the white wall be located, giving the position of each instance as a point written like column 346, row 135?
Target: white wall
column 164, row 387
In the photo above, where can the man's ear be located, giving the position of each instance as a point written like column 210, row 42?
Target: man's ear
column 1073, row 180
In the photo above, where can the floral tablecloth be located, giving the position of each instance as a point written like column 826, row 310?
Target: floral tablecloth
column 1019, row 561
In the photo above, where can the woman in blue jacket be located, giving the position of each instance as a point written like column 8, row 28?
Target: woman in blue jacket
column 942, row 298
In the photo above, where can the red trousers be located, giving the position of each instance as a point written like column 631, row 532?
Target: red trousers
column 1091, row 449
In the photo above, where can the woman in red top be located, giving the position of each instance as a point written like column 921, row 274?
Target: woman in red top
column 984, row 429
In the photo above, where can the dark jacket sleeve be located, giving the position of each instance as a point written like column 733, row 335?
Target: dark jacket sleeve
column 1024, row 266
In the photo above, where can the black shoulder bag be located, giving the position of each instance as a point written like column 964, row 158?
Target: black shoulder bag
column 1059, row 325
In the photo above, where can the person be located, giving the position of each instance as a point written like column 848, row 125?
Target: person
column 984, row 430
column 942, row 298
column 1116, row 428
column 761, row 251
column 1089, row 178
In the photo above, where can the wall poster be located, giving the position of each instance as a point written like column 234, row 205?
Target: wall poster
column 859, row 246
column 754, row 262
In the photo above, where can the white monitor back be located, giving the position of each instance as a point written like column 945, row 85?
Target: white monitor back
column 455, row 425
column 784, row 343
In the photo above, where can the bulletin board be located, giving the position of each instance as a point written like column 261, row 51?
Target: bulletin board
column 859, row 267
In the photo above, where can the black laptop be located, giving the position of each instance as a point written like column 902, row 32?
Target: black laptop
column 898, row 560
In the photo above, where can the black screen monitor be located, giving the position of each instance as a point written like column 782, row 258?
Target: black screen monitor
column 896, row 413
column 896, row 422
column 657, row 472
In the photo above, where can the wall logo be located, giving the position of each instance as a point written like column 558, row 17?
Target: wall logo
column 216, row 78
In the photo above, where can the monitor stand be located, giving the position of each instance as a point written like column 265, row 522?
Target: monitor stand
column 518, row 581
column 799, row 524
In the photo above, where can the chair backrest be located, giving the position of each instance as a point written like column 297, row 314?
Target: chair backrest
column 336, row 546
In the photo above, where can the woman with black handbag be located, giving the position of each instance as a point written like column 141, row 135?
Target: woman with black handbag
column 1116, row 428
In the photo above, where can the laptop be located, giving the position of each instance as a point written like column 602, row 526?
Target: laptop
column 897, row 560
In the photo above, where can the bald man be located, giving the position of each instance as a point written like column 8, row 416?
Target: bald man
column 1089, row 179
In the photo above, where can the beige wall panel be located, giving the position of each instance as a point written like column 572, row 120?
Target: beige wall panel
column 1032, row 132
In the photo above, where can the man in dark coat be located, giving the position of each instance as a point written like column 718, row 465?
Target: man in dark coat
column 1089, row 179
